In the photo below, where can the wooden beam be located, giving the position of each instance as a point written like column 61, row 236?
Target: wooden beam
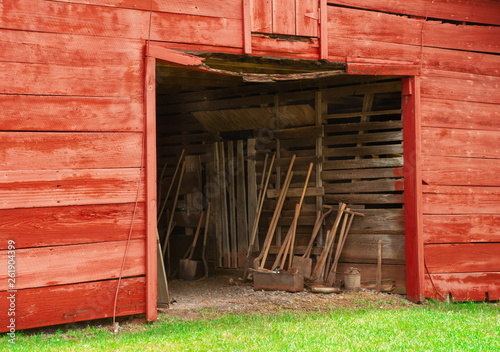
column 241, row 204
column 413, row 190
column 150, row 155
column 247, row 27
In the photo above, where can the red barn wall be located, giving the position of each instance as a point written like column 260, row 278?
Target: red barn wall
column 72, row 123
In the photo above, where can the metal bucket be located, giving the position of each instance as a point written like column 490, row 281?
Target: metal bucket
column 352, row 279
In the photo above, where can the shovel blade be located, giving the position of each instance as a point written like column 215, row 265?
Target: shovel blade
column 303, row 265
column 188, row 269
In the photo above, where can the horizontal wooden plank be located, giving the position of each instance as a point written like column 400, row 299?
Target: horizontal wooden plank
column 45, row 48
column 386, row 185
column 460, row 114
column 362, row 163
column 378, row 87
column 60, row 113
column 222, row 8
column 297, row 132
column 363, row 138
column 364, row 249
column 306, row 48
column 37, row 307
column 457, row 171
column 378, row 221
column 48, row 150
column 362, row 173
column 364, row 126
column 43, row 79
column 50, row 266
column 364, row 198
column 50, row 188
column 57, row 17
column 57, row 226
column 462, row 257
column 461, row 228
column 378, row 26
column 369, row 273
column 460, row 200
column 460, row 142
column 197, row 29
column 366, row 150
column 408, row 57
column 483, row 11
column 296, row 192
column 463, row 286
column 474, row 88
column 361, row 113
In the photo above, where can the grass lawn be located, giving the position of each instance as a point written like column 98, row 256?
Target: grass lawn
column 429, row 327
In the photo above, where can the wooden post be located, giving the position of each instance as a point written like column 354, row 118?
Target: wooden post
column 412, row 152
column 379, row 266
column 150, row 156
column 217, row 206
column 225, row 224
column 232, row 204
column 319, row 151
column 241, row 203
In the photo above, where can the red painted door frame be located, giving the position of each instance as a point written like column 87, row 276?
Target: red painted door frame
column 412, row 175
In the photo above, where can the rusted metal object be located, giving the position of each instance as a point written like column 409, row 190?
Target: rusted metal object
column 352, row 279
column 271, row 281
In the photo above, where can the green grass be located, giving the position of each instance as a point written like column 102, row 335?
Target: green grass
column 433, row 327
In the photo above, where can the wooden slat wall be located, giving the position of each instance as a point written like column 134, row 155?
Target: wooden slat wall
column 364, row 168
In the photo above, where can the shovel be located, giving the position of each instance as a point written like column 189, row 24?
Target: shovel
column 188, row 267
column 304, row 263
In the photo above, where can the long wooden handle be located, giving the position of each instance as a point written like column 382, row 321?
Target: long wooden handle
column 262, row 197
column 297, row 214
column 274, row 221
column 277, row 211
column 170, row 187
column 196, row 235
column 170, row 222
column 317, row 227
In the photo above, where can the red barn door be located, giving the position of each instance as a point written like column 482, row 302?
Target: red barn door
column 289, row 17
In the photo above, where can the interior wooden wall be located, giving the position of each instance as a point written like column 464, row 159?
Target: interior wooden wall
column 72, row 87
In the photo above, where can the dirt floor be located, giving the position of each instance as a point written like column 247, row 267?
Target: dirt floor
column 226, row 293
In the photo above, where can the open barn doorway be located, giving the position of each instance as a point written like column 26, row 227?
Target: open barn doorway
column 217, row 133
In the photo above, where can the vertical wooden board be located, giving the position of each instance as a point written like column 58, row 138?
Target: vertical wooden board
column 363, row 249
column 306, row 22
column 36, row 307
column 461, row 228
column 459, row 171
column 226, row 246
column 60, row 265
column 52, row 79
column 197, row 29
column 462, row 257
column 413, row 200
column 241, row 204
column 460, row 114
column 47, row 150
column 50, row 188
column 284, row 14
column 57, row 17
column 460, row 143
column 148, row 151
column 213, row 189
column 45, row 48
column 262, row 16
column 58, row 113
column 41, row 227
column 463, row 286
column 473, row 88
column 484, row 11
column 252, row 187
column 231, row 174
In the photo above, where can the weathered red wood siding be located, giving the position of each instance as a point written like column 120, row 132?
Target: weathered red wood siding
column 460, row 125
column 72, row 122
